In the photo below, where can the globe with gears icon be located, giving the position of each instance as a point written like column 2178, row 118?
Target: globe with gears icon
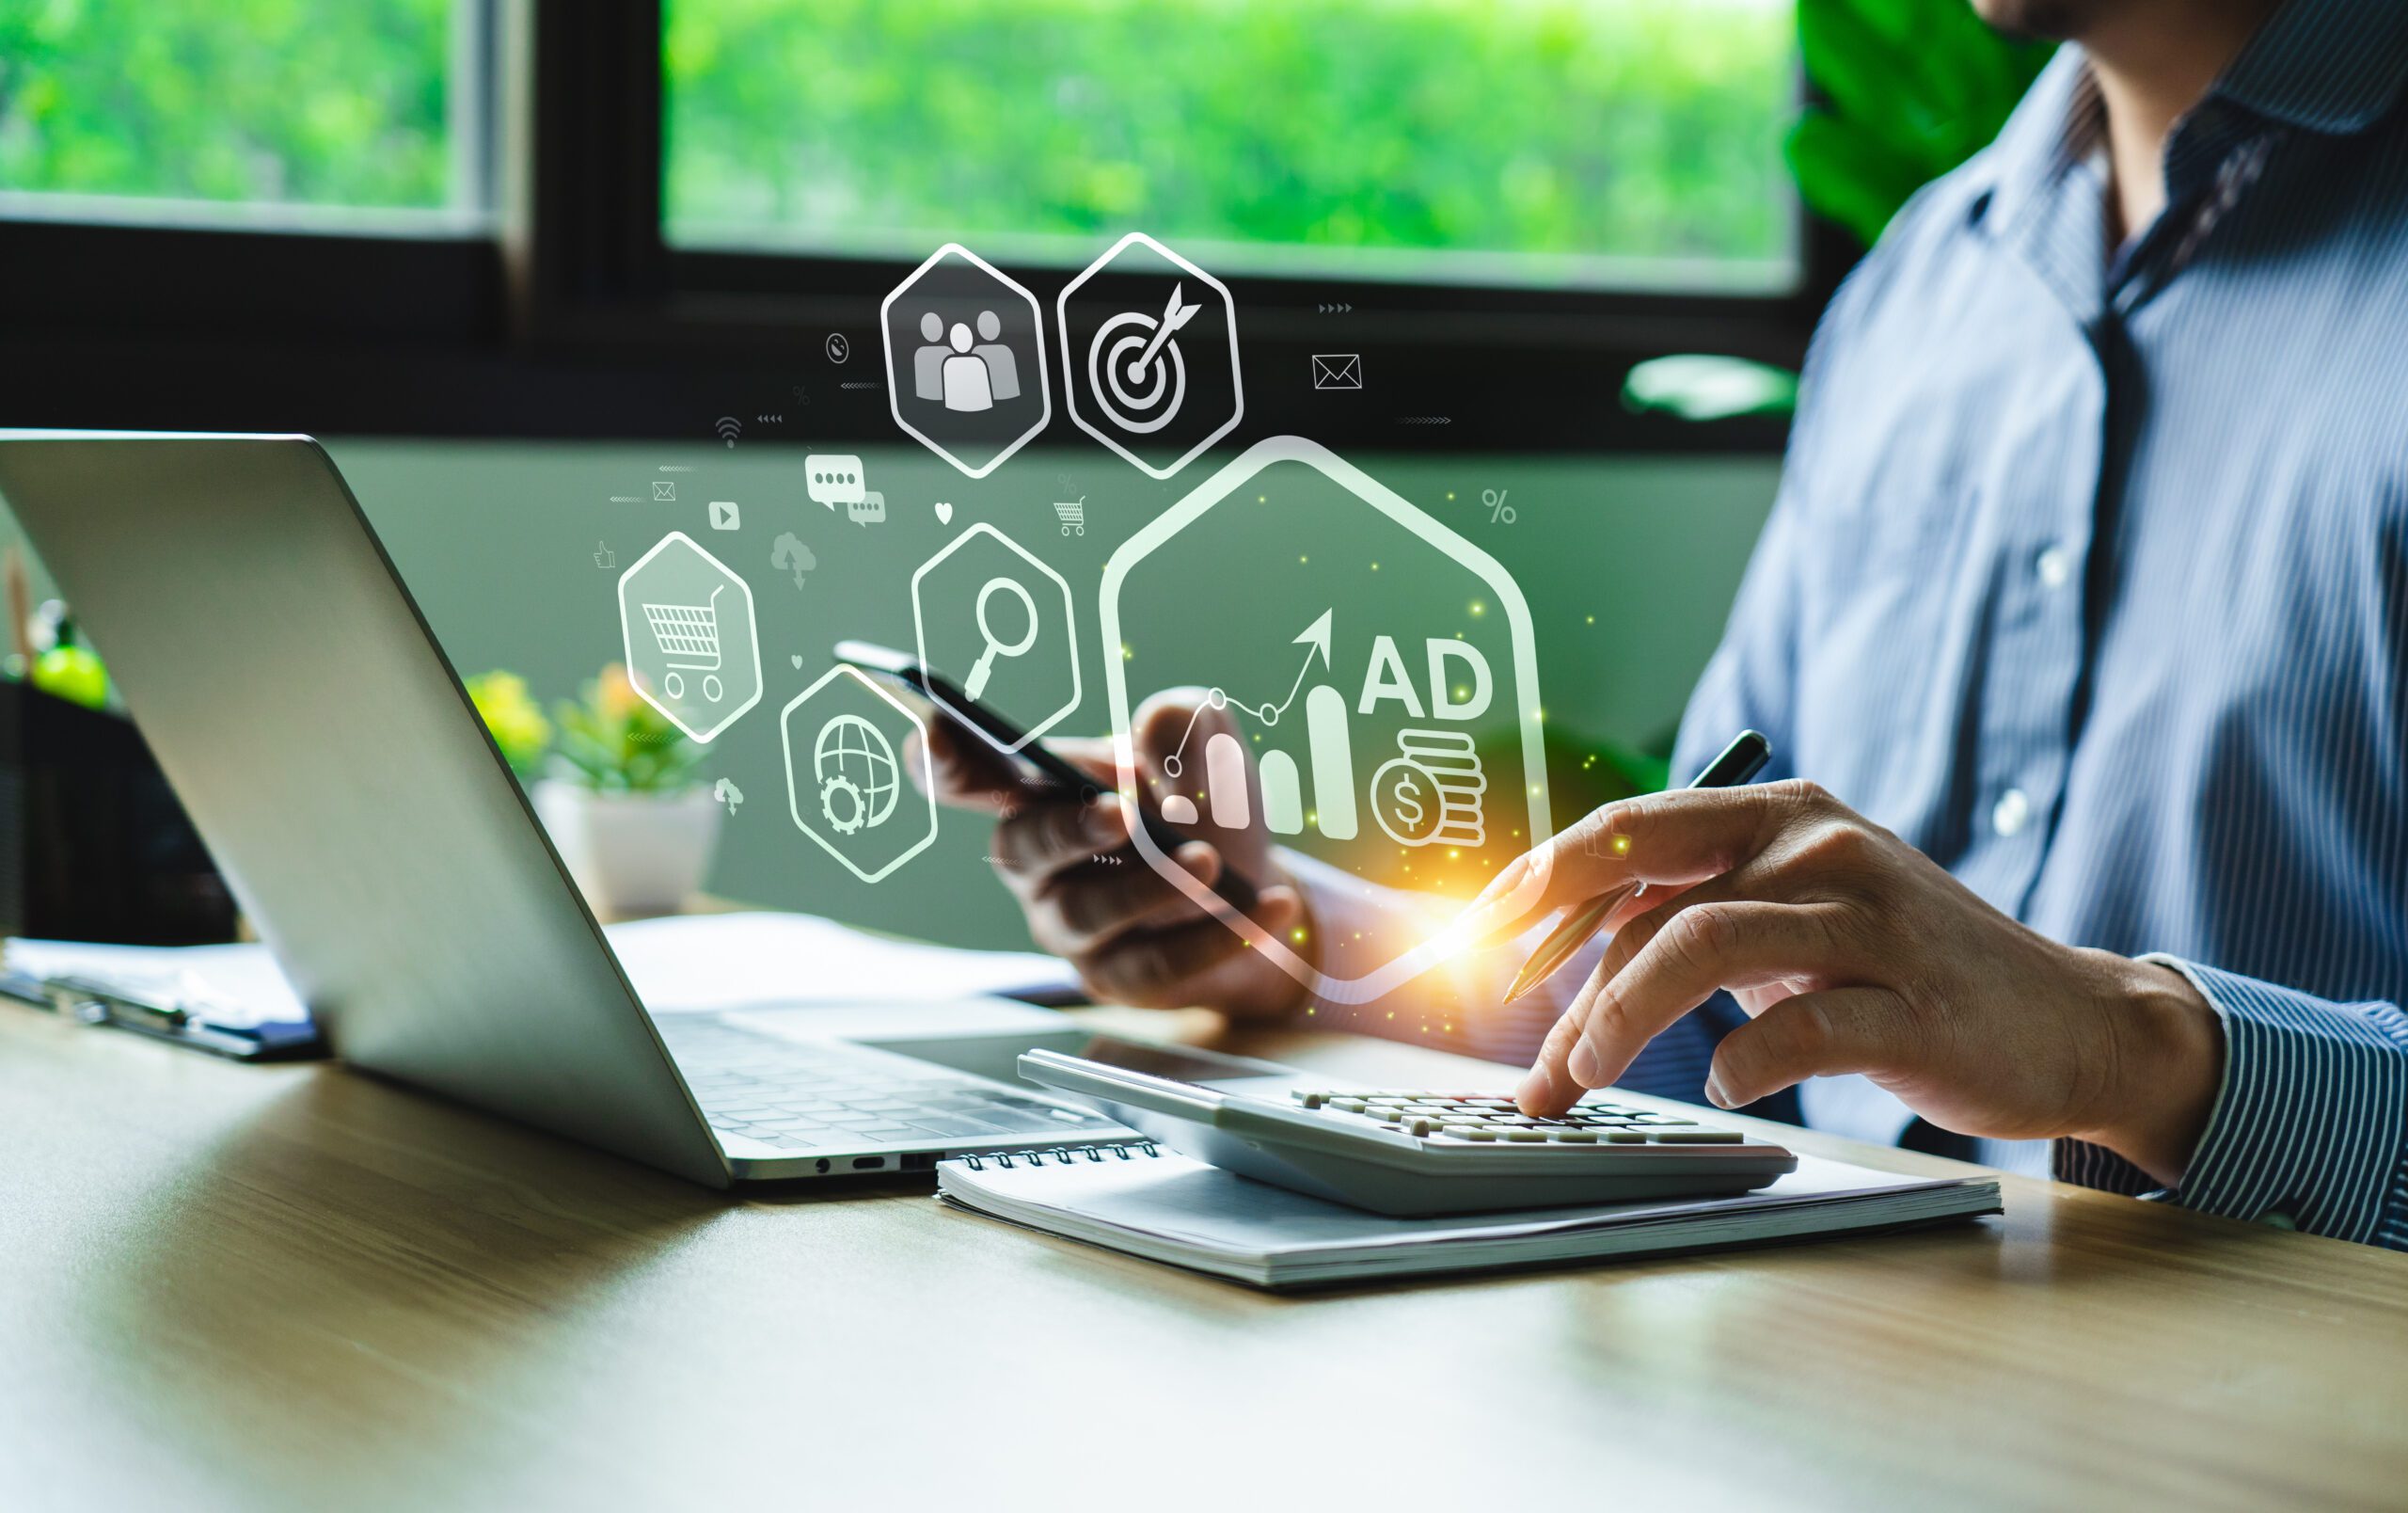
column 859, row 778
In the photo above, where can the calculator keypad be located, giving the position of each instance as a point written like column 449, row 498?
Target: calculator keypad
column 1484, row 1118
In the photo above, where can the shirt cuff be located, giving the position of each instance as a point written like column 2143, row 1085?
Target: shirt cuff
column 2311, row 1124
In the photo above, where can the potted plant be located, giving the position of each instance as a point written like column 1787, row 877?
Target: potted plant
column 616, row 786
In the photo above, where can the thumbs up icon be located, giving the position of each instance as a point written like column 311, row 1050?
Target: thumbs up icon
column 604, row 559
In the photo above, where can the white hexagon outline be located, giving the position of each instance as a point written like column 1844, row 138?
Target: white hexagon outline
column 886, row 344
column 1070, row 371
column 1069, row 619
column 1455, row 938
column 927, row 772
column 628, row 638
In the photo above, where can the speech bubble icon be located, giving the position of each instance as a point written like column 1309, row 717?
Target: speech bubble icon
column 834, row 478
column 869, row 509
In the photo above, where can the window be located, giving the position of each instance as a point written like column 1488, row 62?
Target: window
column 1629, row 144
column 362, row 115
column 281, row 214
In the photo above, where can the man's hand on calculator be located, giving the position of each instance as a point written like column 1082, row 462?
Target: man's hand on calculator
column 1092, row 901
column 1852, row 951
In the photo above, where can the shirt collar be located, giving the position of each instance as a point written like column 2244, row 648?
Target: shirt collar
column 2058, row 126
column 2328, row 66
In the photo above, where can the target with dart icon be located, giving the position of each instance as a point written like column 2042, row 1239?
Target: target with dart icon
column 1133, row 360
column 1149, row 344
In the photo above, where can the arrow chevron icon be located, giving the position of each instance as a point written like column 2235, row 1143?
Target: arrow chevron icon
column 1316, row 635
column 1175, row 314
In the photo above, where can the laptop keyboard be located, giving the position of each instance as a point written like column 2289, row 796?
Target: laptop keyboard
column 835, row 1097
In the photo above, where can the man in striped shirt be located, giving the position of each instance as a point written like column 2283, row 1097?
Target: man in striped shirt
column 2081, row 629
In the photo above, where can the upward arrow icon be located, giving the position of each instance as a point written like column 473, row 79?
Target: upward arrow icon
column 1317, row 636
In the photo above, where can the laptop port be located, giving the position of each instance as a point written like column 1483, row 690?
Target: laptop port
column 868, row 1163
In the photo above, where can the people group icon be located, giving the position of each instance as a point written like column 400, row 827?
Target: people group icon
column 965, row 372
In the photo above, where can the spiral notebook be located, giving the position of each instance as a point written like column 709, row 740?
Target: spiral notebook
column 1137, row 1198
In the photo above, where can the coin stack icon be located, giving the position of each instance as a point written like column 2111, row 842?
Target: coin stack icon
column 1430, row 794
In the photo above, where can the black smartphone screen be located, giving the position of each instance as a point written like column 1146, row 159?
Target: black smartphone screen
column 1043, row 772
column 934, row 695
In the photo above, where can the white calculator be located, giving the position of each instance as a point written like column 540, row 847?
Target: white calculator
column 1412, row 1152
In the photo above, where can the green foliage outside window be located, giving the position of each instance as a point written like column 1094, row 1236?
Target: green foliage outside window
column 1604, row 141
column 1565, row 140
column 1554, row 140
column 264, row 102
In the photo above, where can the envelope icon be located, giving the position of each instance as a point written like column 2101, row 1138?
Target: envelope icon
column 664, row 492
column 724, row 515
column 1338, row 370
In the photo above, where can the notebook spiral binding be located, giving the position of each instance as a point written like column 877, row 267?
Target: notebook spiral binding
column 976, row 1161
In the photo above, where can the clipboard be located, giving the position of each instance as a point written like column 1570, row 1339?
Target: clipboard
column 147, row 1011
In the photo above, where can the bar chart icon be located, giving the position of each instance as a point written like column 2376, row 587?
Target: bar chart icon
column 1225, row 782
column 1330, row 755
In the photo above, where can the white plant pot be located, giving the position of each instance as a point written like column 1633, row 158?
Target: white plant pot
column 632, row 854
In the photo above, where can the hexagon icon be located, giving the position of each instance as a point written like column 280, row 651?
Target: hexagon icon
column 845, row 737
column 1384, row 719
column 692, row 647
column 965, row 359
column 1145, row 334
column 985, row 611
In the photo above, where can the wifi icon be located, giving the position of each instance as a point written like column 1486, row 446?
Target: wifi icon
column 729, row 428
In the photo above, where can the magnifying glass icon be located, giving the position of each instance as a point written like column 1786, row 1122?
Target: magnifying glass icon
column 996, row 645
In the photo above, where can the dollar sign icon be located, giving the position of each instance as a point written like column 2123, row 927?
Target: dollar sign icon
column 1405, row 801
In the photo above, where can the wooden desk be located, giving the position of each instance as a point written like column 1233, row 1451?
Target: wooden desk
column 295, row 1287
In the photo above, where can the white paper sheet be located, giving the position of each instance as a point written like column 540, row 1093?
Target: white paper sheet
column 683, row 965
column 698, row 963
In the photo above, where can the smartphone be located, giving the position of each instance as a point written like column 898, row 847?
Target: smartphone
column 1048, row 776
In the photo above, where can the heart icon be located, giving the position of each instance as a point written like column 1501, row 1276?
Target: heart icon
column 944, row 513
column 797, row 660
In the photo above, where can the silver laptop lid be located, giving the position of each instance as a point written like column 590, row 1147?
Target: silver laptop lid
column 327, row 753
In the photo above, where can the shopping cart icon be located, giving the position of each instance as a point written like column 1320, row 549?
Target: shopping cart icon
column 689, row 630
column 1074, row 516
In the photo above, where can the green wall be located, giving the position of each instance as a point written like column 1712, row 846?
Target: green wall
column 1629, row 567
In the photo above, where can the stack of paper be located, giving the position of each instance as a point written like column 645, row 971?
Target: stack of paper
column 1168, row 1208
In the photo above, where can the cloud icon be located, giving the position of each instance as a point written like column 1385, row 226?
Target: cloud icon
column 790, row 553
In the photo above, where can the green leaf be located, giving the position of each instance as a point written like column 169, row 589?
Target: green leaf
column 1911, row 89
column 1869, row 79
column 1849, row 175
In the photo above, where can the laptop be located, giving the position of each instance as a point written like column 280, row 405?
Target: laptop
column 326, row 750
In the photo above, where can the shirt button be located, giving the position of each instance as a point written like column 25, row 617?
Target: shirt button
column 2055, row 565
column 2008, row 814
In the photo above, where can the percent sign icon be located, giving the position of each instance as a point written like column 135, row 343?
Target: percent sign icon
column 1497, row 508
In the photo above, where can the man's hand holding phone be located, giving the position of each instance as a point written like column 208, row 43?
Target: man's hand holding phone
column 1092, row 899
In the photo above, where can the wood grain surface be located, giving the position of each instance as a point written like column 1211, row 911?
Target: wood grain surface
column 297, row 1287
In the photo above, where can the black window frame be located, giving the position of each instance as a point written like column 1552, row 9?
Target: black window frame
column 572, row 318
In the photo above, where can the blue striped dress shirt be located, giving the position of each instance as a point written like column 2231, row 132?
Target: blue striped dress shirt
column 2089, row 577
